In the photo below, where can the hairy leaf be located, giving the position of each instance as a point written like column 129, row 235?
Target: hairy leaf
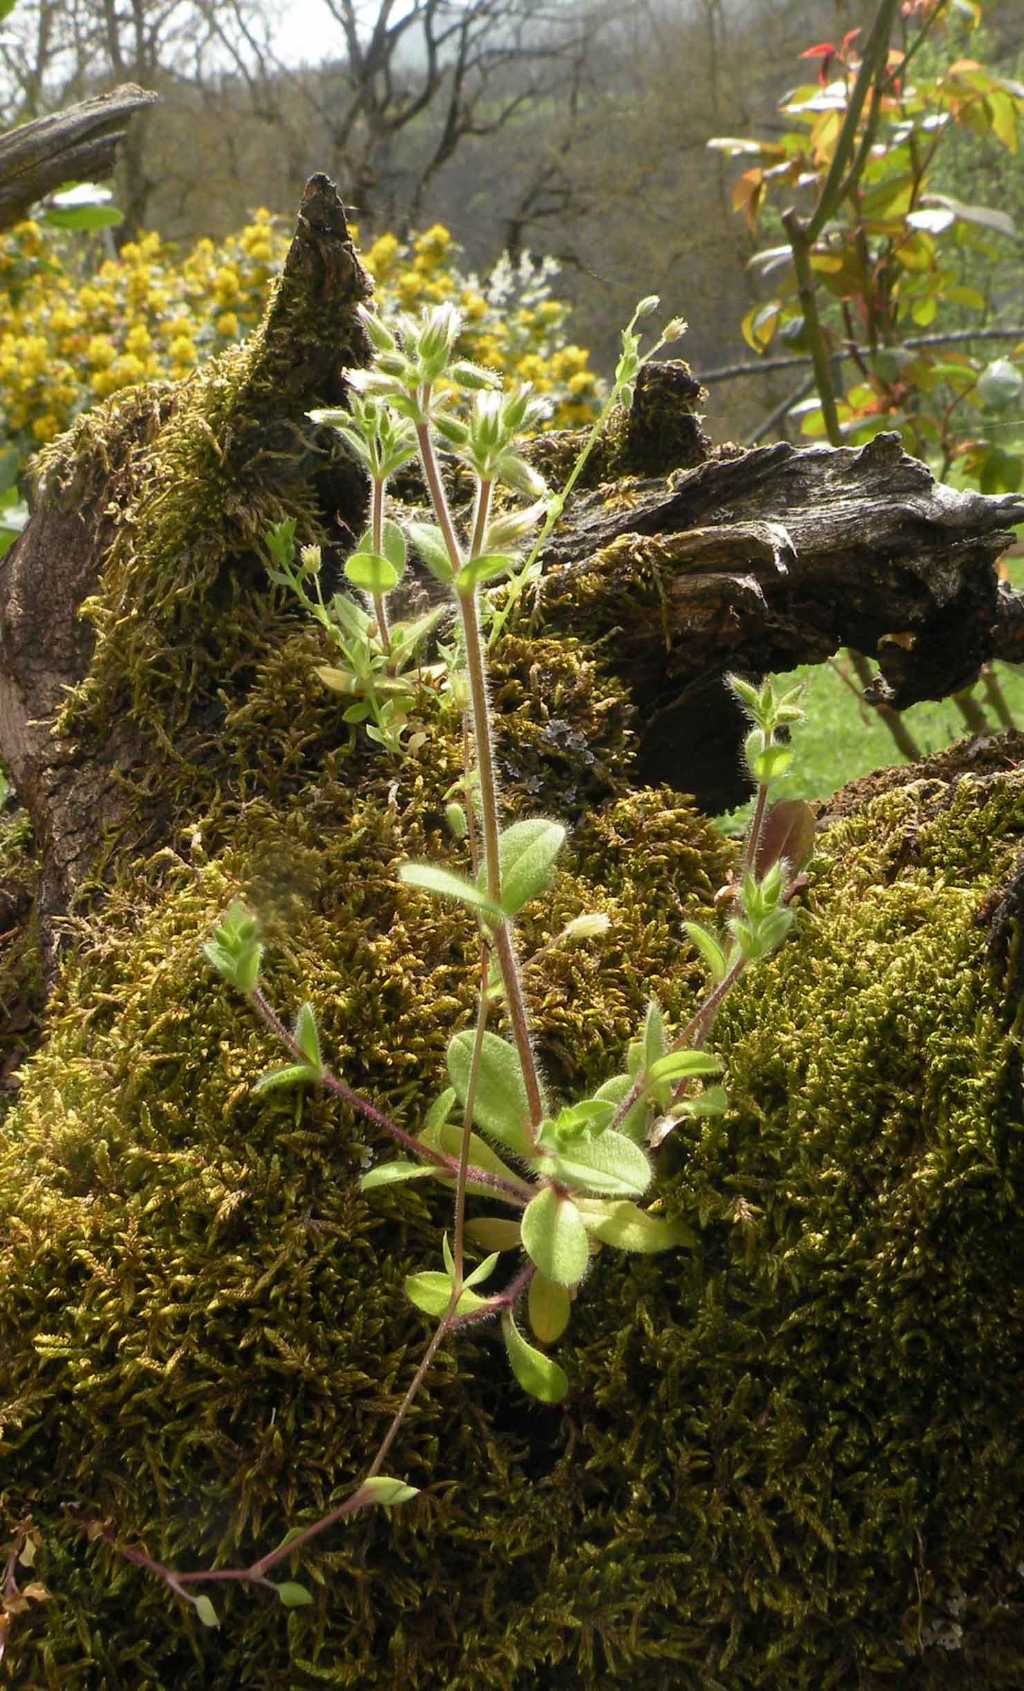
column 444, row 883
column 629, row 1228
column 536, row 1373
column 394, row 1174
column 549, row 1307
column 500, row 1105
column 555, row 1238
column 611, row 1164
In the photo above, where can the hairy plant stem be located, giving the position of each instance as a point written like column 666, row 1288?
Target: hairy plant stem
column 518, row 1194
column 469, row 614
column 459, row 1231
column 756, row 825
column 377, row 542
column 508, row 961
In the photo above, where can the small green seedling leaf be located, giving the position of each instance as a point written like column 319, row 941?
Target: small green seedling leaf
column 394, row 1174
column 307, row 1038
column 555, row 1238
column 393, row 546
column 629, row 1228
column 549, row 1307
column 292, row 1074
column 444, row 883
column 655, row 1041
column 537, row 1374
column 385, row 1491
column 527, row 852
column 709, row 948
column 500, row 1104
column 430, row 544
column 494, row 1233
column 634, row 1122
column 611, row 1165
column 484, row 1271
column 372, row 572
column 684, row 1065
column 205, row 1610
column 590, row 1115
column 235, row 951
column 292, row 1595
column 488, row 567
column 431, row 1291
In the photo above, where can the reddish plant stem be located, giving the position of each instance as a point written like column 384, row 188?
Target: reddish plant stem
column 377, row 541
column 514, row 1194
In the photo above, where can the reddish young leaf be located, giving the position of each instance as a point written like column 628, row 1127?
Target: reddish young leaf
column 788, row 832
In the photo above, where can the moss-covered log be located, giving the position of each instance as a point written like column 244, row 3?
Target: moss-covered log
column 793, row 1456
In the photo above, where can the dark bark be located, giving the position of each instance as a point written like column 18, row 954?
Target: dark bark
column 766, row 559
column 79, row 144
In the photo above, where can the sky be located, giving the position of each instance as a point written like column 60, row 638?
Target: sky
column 306, row 31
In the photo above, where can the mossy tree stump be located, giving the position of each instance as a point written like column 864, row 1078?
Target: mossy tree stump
column 791, row 1457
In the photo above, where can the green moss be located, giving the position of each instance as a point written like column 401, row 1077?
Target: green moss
column 792, row 1458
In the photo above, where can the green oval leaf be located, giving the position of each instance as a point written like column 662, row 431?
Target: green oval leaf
column 393, row 545
column 611, row 1164
column 431, row 1292
column 709, row 949
column 629, row 1228
column 307, row 1038
column 500, row 1104
column 384, row 1490
column 205, row 1610
column 549, row 1307
column 394, row 1174
column 430, row 544
column 338, row 680
column 537, row 1374
column 634, row 1122
column 371, row 571
column 494, row 1233
column 483, row 1271
column 444, row 883
column 555, row 1238
column 682, row 1065
column 292, row 1595
column 448, row 1138
column 487, row 567
column 527, row 852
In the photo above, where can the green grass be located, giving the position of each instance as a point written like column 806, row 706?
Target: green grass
column 843, row 739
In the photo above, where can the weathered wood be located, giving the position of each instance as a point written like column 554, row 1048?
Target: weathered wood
column 78, row 144
column 767, row 559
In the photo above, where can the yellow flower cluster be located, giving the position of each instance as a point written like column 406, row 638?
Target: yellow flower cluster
column 70, row 335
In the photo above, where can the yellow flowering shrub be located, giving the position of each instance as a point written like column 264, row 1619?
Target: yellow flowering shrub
column 71, row 335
